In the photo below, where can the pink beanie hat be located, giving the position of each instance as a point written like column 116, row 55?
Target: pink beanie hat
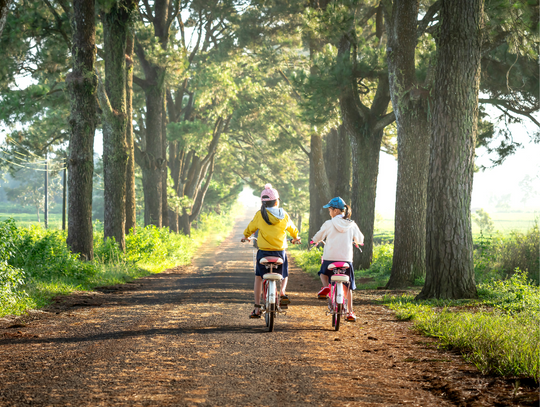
column 270, row 192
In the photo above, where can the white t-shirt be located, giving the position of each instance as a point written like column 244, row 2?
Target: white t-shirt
column 339, row 234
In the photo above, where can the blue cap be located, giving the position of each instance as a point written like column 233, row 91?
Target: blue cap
column 336, row 202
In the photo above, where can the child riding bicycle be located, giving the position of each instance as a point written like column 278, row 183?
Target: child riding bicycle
column 272, row 222
column 340, row 233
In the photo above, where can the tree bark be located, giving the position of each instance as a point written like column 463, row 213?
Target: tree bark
column 4, row 9
column 152, row 160
column 131, row 204
column 113, row 104
column 165, row 172
column 82, row 83
column 410, row 106
column 449, row 249
column 319, row 189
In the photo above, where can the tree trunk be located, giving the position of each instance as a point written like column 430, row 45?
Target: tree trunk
column 131, row 204
column 115, row 149
column 165, row 173
column 152, row 160
column 365, row 150
column 365, row 127
column 82, row 83
column 152, row 168
column 319, row 190
column 449, row 250
column 343, row 157
column 4, row 10
column 410, row 107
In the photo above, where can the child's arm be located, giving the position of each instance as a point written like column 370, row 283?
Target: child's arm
column 321, row 234
column 358, row 237
column 292, row 229
column 252, row 227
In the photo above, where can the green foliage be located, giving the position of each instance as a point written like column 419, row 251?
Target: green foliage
column 43, row 254
column 483, row 220
column 513, row 295
column 498, row 332
column 497, row 256
column 11, row 278
column 36, row 265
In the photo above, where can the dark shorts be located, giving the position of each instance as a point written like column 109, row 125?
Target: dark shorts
column 261, row 270
column 324, row 270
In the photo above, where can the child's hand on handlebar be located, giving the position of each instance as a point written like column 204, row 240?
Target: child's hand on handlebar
column 297, row 240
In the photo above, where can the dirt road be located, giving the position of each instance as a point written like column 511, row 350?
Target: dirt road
column 183, row 338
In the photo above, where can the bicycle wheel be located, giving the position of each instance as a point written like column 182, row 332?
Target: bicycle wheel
column 338, row 308
column 270, row 315
column 265, row 301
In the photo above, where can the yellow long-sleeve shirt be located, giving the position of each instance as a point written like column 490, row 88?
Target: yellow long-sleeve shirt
column 271, row 237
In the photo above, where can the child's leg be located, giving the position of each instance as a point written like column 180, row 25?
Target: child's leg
column 349, row 301
column 324, row 280
column 257, row 288
column 283, row 285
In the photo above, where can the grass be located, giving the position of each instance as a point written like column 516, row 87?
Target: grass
column 39, row 266
column 499, row 332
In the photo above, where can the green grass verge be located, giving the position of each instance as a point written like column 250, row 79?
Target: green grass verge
column 499, row 332
column 38, row 266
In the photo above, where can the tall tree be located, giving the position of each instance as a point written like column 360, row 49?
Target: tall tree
column 131, row 223
column 411, row 106
column 82, row 84
column 115, row 18
column 449, row 263
column 152, row 58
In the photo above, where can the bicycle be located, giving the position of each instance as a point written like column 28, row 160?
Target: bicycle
column 269, row 296
column 336, row 297
column 337, row 305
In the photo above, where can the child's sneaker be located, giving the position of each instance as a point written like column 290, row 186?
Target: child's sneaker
column 323, row 293
column 351, row 317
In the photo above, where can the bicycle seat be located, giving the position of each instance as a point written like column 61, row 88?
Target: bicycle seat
column 275, row 260
column 340, row 277
column 272, row 276
column 339, row 265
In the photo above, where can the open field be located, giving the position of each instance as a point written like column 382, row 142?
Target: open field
column 504, row 222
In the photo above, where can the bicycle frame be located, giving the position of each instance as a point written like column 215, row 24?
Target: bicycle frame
column 337, row 310
column 270, row 308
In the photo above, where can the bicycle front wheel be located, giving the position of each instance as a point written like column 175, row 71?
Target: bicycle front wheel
column 270, row 316
column 338, row 309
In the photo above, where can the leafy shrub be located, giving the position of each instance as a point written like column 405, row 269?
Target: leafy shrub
column 515, row 294
column 11, row 278
column 44, row 255
column 497, row 256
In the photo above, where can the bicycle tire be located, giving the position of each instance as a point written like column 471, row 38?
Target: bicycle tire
column 271, row 316
column 265, row 302
column 338, row 308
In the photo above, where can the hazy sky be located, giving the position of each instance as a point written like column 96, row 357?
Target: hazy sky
column 490, row 187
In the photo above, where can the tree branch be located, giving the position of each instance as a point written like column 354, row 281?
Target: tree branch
column 384, row 121
column 428, row 18
column 506, row 105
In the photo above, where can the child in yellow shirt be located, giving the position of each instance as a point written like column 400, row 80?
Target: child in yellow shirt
column 272, row 223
